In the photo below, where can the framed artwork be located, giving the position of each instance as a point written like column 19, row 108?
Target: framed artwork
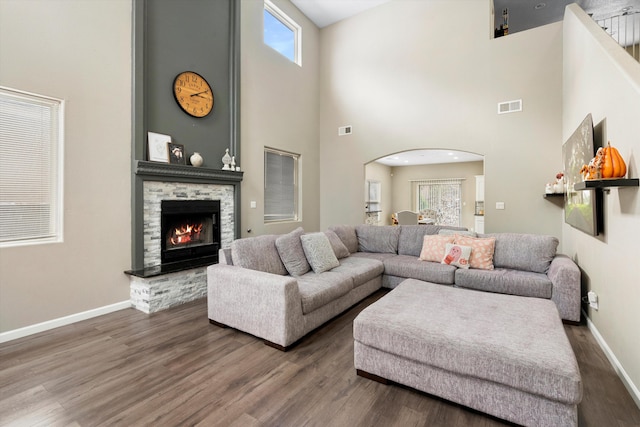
column 158, row 147
column 176, row 154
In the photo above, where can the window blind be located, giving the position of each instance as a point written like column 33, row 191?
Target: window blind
column 444, row 196
column 30, row 172
column 280, row 191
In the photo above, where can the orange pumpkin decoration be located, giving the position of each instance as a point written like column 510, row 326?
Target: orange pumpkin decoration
column 613, row 165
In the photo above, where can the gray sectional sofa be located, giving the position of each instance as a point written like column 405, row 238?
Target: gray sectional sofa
column 281, row 287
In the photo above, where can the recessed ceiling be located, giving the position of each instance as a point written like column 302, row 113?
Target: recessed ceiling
column 429, row 157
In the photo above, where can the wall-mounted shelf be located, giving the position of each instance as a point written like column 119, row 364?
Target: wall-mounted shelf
column 606, row 183
column 553, row 195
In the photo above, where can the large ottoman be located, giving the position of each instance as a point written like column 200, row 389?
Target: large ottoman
column 504, row 355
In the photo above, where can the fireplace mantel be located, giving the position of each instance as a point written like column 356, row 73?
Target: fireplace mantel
column 166, row 171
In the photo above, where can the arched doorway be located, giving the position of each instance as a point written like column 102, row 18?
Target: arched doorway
column 406, row 179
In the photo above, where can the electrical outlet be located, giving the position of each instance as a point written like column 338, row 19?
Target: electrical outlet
column 593, row 300
column 500, row 205
column 253, row 204
column 345, row 130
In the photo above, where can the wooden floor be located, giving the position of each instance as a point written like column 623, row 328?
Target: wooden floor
column 175, row 369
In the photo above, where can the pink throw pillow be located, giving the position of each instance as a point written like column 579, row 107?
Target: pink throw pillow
column 433, row 247
column 481, row 250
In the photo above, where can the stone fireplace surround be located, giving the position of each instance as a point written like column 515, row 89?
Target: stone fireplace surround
column 156, row 287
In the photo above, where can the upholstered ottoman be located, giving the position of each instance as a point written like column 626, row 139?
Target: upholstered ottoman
column 504, row 355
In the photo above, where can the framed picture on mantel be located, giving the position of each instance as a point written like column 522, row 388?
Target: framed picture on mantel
column 176, row 154
column 158, row 147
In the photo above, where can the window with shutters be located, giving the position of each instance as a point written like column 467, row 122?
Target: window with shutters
column 31, row 139
column 280, row 185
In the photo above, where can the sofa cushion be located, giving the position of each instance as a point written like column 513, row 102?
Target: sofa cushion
column 411, row 237
column 457, row 255
column 380, row 239
column 291, row 253
column 317, row 290
column 506, row 281
column 339, row 248
column 360, row 269
column 433, row 247
column 373, row 255
column 319, row 252
column 258, row 253
column 481, row 250
column 411, row 267
column 528, row 252
column 347, row 234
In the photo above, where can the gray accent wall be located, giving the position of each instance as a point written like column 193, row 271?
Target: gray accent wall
column 170, row 37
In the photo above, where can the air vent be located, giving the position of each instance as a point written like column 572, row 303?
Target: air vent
column 510, row 106
column 345, row 130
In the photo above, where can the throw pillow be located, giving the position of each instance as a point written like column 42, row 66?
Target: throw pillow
column 290, row 250
column 481, row 250
column 451, row 232
column 319, row 252
column 339, row 248
column 457, row 255
column 433, row 246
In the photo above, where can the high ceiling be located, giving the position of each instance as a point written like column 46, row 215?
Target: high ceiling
column 523, row 14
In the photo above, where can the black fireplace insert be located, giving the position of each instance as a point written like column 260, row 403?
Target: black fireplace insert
column 190, row 230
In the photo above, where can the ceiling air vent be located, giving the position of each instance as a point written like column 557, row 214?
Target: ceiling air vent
column 510, row 106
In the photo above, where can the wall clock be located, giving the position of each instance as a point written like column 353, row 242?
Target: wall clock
column 193, row 94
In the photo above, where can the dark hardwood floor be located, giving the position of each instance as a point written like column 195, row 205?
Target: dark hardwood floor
column 175, row 369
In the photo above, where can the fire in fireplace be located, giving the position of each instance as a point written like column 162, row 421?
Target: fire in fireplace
column 190, row 230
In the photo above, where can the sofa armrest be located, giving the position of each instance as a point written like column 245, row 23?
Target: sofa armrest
column 263, row 304
column 565, row 277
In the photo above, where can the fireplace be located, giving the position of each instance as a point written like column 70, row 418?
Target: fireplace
column 190, row 230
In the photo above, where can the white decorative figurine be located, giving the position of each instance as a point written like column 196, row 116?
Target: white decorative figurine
column 226, row 159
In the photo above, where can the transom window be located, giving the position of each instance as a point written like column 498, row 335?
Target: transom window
column 280, row 185
column 31, row 138
column 282, row 33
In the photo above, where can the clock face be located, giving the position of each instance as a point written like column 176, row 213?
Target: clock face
column 193, row 94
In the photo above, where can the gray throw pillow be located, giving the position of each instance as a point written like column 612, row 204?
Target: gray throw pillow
column 290, row 249
column 319, row 252
column 339, row 248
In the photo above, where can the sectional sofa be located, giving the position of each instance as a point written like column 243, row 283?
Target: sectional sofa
column 281, row 287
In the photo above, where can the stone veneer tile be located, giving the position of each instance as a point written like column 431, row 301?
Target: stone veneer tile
column 160, row 292
column 156, row 191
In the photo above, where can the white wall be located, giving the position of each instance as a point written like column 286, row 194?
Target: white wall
column 279, row 109
column 79, row 51
column 404, row 79
column 601, row 79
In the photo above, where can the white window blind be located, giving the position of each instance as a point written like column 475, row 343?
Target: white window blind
column 280, row 186
column 444, row 196
column 31, row 129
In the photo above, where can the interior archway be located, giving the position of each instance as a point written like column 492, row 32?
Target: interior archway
column 397, row 178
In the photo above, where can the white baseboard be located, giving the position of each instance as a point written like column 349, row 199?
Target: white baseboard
column 631, row 387
column 62, row 321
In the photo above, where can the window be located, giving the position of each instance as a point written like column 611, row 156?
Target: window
column 31, row 138
column 443, row 196
column 280, row 185
column 282, row 33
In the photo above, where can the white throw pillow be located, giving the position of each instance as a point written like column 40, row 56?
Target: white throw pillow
column 457, row 255
column 319, row 252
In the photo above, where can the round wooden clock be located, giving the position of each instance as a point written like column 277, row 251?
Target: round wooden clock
column 193, row 94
